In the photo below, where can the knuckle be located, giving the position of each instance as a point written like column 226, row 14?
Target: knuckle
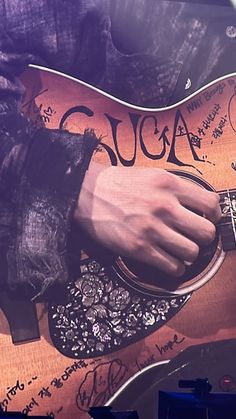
column 166, row 180
column 176, row 269
column 147, row 230
column 142, row 226
column 212, row 202
column 209, row 233
column 193, row 252
column 137, row 247
column 215, row 198
column 164, row 208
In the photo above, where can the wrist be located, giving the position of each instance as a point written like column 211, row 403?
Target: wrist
column 84, row 207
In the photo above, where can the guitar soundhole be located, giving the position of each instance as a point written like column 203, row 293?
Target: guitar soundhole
column 153, row 280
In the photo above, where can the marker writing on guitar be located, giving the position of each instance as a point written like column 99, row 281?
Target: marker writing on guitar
column 30, row 406
column 100, row 383
column 40, row 114
column 217, row 89
column 57, row 382
column 167, row 136
column 219, row 130
column 53, row 414
column 12, row 392
column 208, row 120
column 168, row 346
column 145, row 363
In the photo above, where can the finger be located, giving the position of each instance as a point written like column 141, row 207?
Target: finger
column 174, row 243
column 194, row 226
column 197, row 198
column 162, row 260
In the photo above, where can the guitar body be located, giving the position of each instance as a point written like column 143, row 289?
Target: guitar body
column 119, row 318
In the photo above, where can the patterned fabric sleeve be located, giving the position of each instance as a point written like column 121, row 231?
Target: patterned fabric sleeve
column 41, row 171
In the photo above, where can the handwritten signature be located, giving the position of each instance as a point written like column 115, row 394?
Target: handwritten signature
column 39, row 113
column 100, row 384
column 168, row 346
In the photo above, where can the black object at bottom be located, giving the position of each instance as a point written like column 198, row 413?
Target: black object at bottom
column 105, row 412
column 174, row 405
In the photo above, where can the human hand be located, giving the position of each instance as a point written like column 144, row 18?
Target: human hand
column 147, row 214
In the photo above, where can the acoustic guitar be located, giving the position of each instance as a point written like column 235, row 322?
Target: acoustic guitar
column 121, row 317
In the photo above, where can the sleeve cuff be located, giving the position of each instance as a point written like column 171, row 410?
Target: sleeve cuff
column 44, row 200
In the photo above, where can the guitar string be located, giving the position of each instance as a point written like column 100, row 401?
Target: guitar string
column 231, row 213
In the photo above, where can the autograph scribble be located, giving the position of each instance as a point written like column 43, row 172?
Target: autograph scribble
column 39, row 113
column 100, row 384
column 31, row 102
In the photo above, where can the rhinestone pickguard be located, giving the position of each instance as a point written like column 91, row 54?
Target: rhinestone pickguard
column 103, row 314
